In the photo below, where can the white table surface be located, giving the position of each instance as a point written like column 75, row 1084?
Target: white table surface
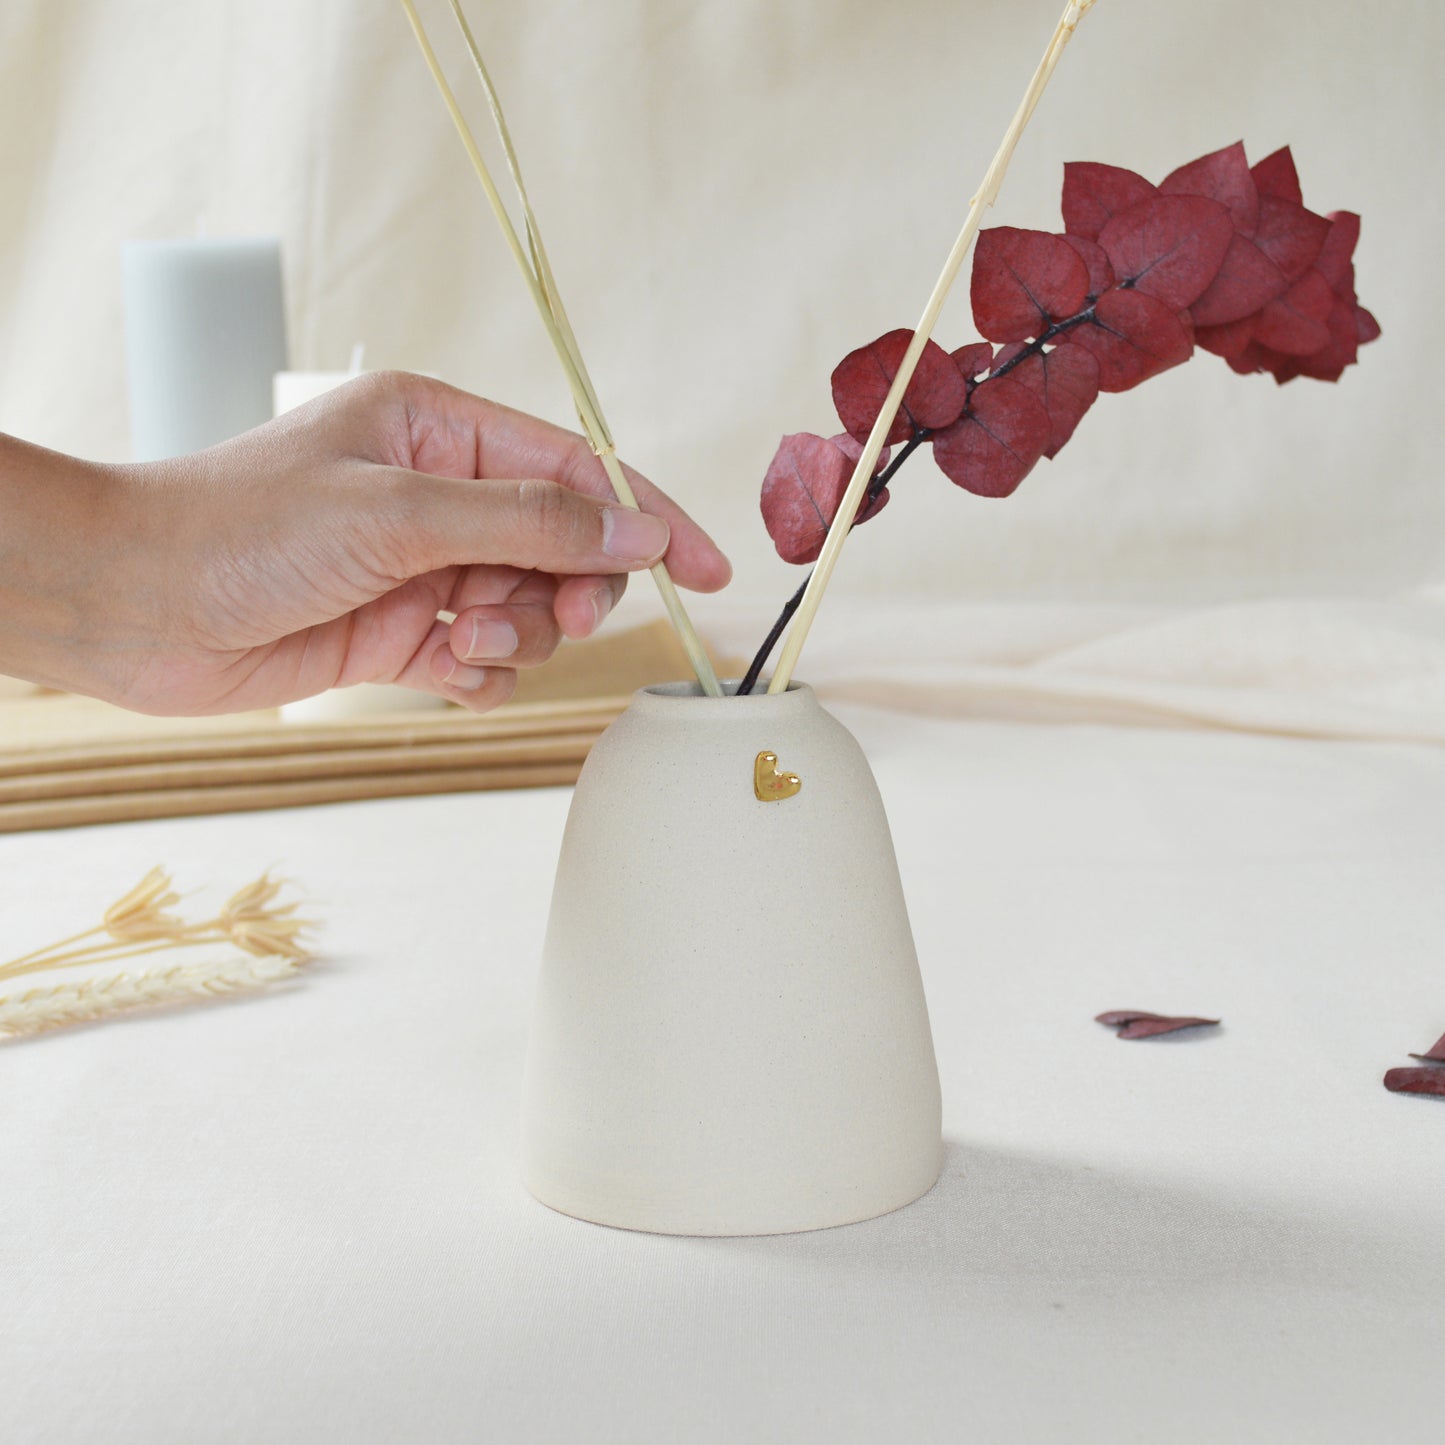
column 297, row 1218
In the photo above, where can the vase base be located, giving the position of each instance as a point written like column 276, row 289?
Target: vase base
column 701, row 1222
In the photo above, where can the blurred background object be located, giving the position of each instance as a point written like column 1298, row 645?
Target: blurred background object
column 205, row 332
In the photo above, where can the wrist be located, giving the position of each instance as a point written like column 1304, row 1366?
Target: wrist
column 53, row 511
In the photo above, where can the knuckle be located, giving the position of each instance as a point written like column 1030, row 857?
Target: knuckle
column 380, row 386
column 553, row 513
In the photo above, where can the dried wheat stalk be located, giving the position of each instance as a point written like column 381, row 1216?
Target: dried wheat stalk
column 270, row 933
column 40, row 1009
column 985, row 196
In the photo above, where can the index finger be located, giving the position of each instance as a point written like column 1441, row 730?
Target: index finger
column 452, row 433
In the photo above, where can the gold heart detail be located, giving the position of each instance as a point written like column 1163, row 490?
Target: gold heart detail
column 769, row 784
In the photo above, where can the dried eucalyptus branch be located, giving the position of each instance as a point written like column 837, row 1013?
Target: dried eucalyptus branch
column 985, row 196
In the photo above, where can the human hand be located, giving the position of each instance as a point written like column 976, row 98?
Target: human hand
column 317, row 551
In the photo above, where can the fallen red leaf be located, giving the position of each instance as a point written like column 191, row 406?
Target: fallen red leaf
column 1095, row 193
column 1418, row 1079
column 934, row 397
column 1435, row 1054
column 997, row 441
column 1223, row 176
column 801, row 492
column 1169, row 247
column 1066, row 380
column 1022, row 281
column 1136, row 1024
column 1133, row 337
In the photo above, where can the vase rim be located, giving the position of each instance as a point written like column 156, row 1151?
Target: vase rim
column 669, row 697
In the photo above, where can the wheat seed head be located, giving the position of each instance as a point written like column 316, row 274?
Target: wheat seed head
column 141, row 914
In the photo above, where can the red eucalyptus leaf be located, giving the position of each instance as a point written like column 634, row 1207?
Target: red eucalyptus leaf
column 1296, row 323
column 1435, row 1054
column 1137, row 1024
column 1366, row 327
column 1133, row 337
column 1342, row 349
column 1093, row 194
column 1420, row 1079
column 1096, row 263
column 1255, row 357
column 1223, row 176
column 805, row 482
column 1229, row 340
column 934, row 398
column 1247, row 280
column 852, row 448
column 1334, row 259
column 973, row 360
column 1066, row 381
column 1290, row 236
column 1169, row 247
column 1023, row 280
column 997, row 441
column 1276, row 176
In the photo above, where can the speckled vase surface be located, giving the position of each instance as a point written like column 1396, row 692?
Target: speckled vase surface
column 730, row 1034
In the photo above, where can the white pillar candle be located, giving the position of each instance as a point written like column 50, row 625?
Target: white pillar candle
column 205, row 331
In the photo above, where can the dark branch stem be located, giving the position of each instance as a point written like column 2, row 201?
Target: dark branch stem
column 1036, row 346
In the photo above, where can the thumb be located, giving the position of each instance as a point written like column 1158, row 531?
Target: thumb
column 533, row 524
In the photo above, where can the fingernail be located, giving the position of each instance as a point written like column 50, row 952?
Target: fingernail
column 633, row 536
column 491, row 639
column 468, row 679
column 601, row 606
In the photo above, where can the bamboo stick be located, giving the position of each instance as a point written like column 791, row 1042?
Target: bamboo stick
column 985, row 196
column 537, row 274
column 192, row 802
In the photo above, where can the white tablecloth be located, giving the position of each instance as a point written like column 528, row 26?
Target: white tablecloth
column 297, row 1218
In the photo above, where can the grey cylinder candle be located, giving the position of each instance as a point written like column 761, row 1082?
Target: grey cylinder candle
column 205, row 331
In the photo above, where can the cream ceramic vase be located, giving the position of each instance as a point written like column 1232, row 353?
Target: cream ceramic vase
column 730, row 1034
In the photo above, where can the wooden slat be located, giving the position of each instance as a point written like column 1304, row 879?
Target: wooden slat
column 280, row 768
column 71, row 761
column 188, row 802
column 402, row 731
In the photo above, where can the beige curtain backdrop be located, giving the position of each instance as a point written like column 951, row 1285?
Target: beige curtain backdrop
column 735, row 193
